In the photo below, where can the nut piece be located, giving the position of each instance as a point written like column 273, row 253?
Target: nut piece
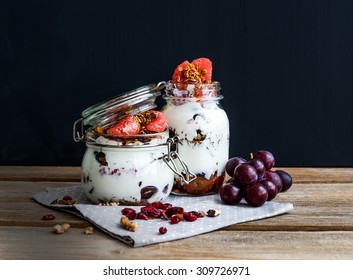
column 88, row 230
column 127, row 224
column 201, row 214
column 213, row 212
column 108, row 203
column 60, row 229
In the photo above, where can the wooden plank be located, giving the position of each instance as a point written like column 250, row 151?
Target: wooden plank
column 317, row 207
column 41, row 243
column 72, row 173
column 40, row 173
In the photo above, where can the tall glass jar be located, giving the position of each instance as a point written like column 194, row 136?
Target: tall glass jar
column 195, row 115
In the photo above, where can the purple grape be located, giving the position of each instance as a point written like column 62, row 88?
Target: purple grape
column 271, row 188
column 286, row 179
column 275, row 178
column 255, row 194
column 232, row 163
column 259, row 166
column 266, row 157
column 230, row 194
column 245, row 174
column 230, row 181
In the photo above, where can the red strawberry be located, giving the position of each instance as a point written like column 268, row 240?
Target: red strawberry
column 126, row 126
column 158, row 122
column 199, row 71
column 178, row 72
column 204, row 67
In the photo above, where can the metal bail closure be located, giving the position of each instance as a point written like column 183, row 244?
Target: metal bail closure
column 76, row 133
column 172, row 158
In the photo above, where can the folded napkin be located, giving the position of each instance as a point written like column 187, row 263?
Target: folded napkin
column 107, row 218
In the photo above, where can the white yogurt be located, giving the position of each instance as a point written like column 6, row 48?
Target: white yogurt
column 128, row 175
column 203, row 129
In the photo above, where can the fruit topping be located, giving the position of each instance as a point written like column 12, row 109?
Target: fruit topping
column 157, row 122
column 199, row 71
column 142, row 123
column 127, row 126
column 204, row 67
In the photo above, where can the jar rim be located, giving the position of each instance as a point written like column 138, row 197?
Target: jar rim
column 202, row 92
column 92, row 137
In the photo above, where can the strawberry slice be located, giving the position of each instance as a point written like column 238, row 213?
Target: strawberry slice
column 204, row 67
column 199, row 71
column 127, row 126
column 178, row 72
column 158, row 121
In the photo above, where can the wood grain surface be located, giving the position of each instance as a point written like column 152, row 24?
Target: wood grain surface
column 319, row 227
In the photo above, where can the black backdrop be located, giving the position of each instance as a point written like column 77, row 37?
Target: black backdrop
column 285, row 67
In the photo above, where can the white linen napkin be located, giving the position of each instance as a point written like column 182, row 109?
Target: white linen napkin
column 107, row 218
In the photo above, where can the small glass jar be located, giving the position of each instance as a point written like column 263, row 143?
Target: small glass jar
column 194, row 115
column 127, row 169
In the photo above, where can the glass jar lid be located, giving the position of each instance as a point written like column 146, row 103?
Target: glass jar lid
column 106, row 113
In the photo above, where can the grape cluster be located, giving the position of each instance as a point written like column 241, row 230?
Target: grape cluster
column 254, row 180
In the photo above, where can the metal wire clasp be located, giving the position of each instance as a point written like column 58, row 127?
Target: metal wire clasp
column 172, row 159
column 76, row 133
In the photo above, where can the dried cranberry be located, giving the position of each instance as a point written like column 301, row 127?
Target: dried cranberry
column 48, row 217
column 174, row 210
column 162, row 230
column 67, row 197
column 166, row 206
column 129, row 213
column 190, row 216
column 174, row 220
column 157, row 204
column 151, row 212
column 141, row 216
column 160, row 205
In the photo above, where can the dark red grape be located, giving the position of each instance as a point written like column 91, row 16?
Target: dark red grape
column 245, row 174
column 266, row 157
column 230, row 194
column 232, row 163
column 275, row 178
column 271, row 188
column 286, row 179
column 231, row 181
column 255, row 194
column 259, row 166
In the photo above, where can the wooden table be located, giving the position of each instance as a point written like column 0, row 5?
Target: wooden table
column 319, row 227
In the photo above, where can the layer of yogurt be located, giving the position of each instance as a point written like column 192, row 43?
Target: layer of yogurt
column 198, row 120
column 126, row 175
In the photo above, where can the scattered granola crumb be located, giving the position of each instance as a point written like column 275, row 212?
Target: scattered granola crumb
column 88, row 230
column 201, row 214
column 60, row 229
column 66, row 200
column 127, row 224
column 112, row 203
column 213, row 212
